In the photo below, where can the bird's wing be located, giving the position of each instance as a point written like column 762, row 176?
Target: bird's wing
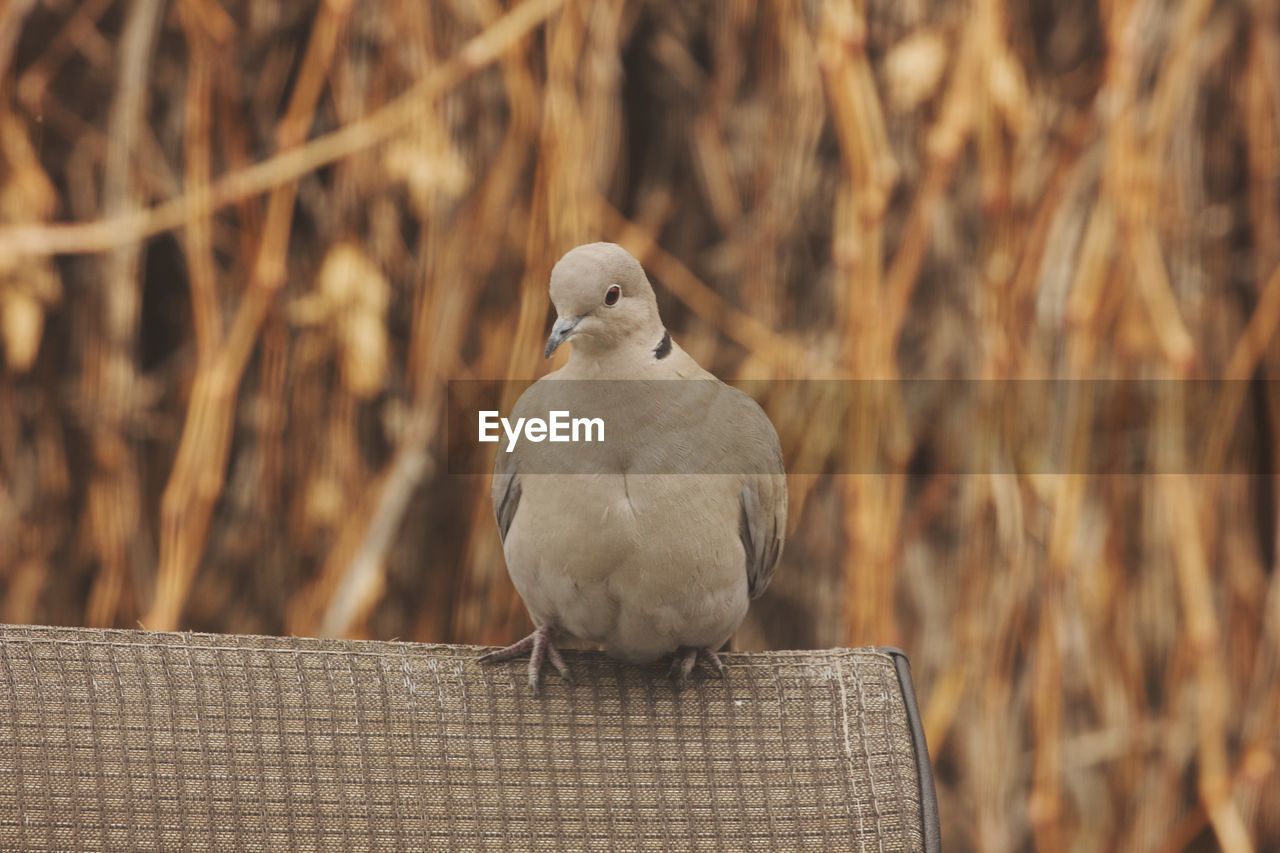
column 504, row 490
column 762, row 499
column 762, row 526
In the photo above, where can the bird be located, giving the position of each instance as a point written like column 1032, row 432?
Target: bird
column 653, row 544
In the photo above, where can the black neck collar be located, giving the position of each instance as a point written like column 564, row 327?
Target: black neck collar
column 663, row 349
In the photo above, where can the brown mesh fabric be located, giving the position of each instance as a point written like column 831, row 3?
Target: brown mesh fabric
column 130, row 740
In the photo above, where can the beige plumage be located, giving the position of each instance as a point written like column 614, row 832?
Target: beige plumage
column 653, row 543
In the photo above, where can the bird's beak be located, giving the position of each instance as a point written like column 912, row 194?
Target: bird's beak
column 560, row 332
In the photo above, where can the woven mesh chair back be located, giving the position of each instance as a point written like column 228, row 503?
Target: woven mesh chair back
column 129, row 740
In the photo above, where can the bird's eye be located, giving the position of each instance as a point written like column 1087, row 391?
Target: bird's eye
column 611, row 295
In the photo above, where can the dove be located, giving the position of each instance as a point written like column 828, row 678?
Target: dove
column 652, row 544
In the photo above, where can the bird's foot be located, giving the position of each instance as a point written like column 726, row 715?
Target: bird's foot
column 686, row 658
column 540, row 647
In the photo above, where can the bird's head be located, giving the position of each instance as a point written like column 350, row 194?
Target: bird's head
column 603, row 301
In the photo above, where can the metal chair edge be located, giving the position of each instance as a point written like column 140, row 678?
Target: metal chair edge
column 931, row 830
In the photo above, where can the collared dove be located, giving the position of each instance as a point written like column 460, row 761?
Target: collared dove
column 631, row 552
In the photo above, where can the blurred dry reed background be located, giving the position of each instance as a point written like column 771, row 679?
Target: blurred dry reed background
column 244, row 244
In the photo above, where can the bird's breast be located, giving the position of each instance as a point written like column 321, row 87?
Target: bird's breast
column 596, row 524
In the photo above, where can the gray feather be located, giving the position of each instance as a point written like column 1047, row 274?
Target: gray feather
column 761, row 528
column 505, row 493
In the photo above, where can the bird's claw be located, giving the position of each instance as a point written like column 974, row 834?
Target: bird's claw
column 686, row 658
column 540, row 648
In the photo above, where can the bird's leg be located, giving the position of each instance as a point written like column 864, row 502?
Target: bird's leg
column 711, row 659
column 541, row 647
column 682, row 663
column 686, row 658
